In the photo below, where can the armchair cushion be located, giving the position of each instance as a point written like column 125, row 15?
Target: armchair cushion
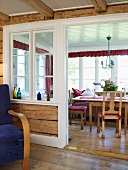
column 11, row 144
column 10, row 136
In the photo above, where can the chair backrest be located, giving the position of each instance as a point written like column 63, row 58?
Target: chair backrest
column 70, row 96
column 109, row 102
column 5, row 105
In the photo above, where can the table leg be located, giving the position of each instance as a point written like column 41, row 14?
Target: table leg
column 90, row 115
column 125, row 119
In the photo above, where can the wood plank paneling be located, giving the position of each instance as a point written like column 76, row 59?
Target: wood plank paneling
column 1, row 47
column 41, row 112
column 17, row 107
column 42, row 119
column 23, row 19
column 1, row 58
column 44, row 126
column 90, row 12
column 1, row 35
column 3, row 16
column 1, row 69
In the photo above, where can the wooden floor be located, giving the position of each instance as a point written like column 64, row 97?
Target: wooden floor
column 48, row 158
column 91, row 142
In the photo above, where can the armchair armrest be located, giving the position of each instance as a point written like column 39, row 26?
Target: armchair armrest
column 26, row 132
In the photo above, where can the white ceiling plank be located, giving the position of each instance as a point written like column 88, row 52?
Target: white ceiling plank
column 58, row 5
column 17, row 7
column 3, row 16
column 39, row 6
column 100, row 5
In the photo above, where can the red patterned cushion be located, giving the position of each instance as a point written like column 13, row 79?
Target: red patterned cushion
column 77, row 108
column 77, row 92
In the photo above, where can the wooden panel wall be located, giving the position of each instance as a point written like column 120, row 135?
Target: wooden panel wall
column 114, row 9
column 42, row 119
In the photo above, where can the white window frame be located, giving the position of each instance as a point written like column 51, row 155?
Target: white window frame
column 9, row 31
column 11, row 59
column 34, row 55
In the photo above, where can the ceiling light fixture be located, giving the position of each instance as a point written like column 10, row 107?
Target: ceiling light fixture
column 108, row 62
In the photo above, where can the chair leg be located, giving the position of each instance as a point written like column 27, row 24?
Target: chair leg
column 85, row 118
column 103, row 128
column 25, row 164
column 70, row 118
column 82, row 121
column 98, row 125
column 96, row 115
column 119, row 134
column 117, row 126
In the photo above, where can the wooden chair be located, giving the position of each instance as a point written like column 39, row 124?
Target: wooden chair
column 77, row 108
column 14, row 143
column 109, row 112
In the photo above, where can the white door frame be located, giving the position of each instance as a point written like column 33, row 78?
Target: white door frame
column 102, row 19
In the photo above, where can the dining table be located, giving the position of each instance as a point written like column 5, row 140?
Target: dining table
column 98, row 101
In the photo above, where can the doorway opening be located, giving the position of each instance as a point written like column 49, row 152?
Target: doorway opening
column 84, row 70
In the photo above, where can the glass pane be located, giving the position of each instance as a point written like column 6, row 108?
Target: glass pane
column 122, row 73
column 73, row 73
column 44, row 65
column 44, row 86
column 89, row 62
column 89, row 73
column 20, row 65
column 43, row 42
column 122, row 61
column 73, row 62
column 73, row 84
column 104, row 73
column 21, row 41
column 23, row 84
column 88, row 84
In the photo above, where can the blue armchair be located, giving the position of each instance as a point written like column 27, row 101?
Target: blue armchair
column 14, row 143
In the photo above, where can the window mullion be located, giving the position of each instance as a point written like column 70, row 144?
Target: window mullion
column 81, row 75
column 31, row 69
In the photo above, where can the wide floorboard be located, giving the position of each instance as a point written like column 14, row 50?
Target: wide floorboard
column 49, row 158
column 91, row 142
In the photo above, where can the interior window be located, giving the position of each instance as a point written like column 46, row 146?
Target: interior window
column 44, row 63
column 73, row 73
column 21, row 63
column 122, row 71
column 33, row 71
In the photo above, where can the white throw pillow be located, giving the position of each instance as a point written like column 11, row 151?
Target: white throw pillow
column 88, row 92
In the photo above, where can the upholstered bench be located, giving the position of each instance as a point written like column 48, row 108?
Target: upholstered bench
column 78, row 110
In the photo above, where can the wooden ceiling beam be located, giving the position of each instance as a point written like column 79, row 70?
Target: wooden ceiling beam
column 100, row 5
column 40, row 7
column 4, row 16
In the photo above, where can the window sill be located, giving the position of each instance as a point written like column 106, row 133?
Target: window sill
column 38, row 102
